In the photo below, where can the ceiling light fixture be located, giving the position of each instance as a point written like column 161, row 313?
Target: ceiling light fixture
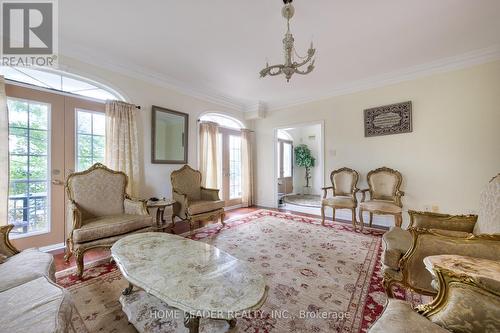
column 290, row 66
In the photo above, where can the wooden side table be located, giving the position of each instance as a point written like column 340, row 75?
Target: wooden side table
column 468, row 298
column 160, row 206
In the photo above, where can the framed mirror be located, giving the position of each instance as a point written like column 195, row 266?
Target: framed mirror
column 169, row 136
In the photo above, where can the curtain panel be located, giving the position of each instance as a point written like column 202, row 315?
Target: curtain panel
column 247, row 170
column 208, row 161
column 4, row 154
column 122, row 147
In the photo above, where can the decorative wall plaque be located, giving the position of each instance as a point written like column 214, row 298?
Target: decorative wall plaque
column 388, row 119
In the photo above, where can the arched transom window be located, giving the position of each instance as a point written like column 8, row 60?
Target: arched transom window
column 60, row 81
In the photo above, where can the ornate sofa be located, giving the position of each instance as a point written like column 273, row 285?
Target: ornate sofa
column 100, row 212
column 344, row 190
column 433, row 234
column 468, row 300
column 194, row 203
column 385, row 195
column 31, row 301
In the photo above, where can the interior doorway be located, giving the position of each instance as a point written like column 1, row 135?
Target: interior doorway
column 299, row 161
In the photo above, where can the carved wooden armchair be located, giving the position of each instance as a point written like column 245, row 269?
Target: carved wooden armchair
column 194, row 203
column 385, row 195
column 100, row 212
column 344, row 190
column 433, row 234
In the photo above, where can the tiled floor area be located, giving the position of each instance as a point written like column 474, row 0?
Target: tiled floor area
column 180, row 227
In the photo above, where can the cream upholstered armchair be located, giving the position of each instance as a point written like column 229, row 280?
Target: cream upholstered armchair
column 385, row 195
column 432, row 234
column 344, row 190
column 194, row 203
column 100, row 212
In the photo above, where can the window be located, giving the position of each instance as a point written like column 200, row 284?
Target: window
column 234, row 167
column 29, row 142
column 285, row 158
column 59, row 81
column 90, row 138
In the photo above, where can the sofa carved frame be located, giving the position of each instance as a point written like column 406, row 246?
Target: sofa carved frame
column 182, row 201
column 395, row 198
column 6, row 247
column 352, row 194
column 440, row 233
column 76, row 216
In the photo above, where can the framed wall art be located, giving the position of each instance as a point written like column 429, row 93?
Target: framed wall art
column 388, row 119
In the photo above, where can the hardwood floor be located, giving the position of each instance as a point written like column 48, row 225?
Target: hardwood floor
column 180, row 227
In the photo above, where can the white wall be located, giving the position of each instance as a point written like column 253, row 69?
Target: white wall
column 155, row 178
column 311, row 136
column 451, row 154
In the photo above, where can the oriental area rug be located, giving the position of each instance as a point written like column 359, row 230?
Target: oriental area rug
column 320, row 278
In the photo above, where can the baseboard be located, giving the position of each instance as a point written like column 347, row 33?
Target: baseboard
column 52, row 247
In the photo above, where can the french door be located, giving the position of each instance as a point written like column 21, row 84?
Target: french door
column 285, row 166
column 44, row 130
column 230, row 155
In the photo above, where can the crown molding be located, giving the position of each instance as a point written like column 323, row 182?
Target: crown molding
column 461, row 61
column 137, row 72
column 443, row 65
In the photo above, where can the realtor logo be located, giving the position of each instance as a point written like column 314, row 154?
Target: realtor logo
column 29, row 32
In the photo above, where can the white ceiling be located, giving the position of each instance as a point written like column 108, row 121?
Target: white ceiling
column 217, row 48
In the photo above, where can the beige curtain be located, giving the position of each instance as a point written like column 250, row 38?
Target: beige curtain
column 247, row 172
column 4, row 155
column 122, row 147
column 208, row 161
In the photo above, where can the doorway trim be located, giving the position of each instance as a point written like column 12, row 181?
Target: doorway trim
column 321, row 160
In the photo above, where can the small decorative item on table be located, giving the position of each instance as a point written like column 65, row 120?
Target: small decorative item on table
column 160, row 205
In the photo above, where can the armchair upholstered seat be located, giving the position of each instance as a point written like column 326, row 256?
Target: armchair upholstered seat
column 193, row 202
column 344, row 190
column 100, row 212
column 433, row 234
column 385, row 195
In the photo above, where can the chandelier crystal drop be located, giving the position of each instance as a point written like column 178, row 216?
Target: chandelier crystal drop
column 291, row 66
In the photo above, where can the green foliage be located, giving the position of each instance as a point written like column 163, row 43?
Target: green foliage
column 303, row 157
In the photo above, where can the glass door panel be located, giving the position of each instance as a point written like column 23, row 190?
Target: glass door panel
column 234, row 167
column 231, row 166
column 29, row 149
column 36, row 191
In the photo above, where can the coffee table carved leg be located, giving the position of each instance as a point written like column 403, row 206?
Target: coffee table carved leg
column 128, row 290
column 192, row 323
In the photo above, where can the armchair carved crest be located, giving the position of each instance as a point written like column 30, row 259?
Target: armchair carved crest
column 193, row 202
column 99, row 211
column 385, row 195
column 344, row 191
column 429, row 234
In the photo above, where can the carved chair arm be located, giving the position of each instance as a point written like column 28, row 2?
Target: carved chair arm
column 181, row 202
column 74, row 216
column 428, row 220
column 400, row 193
column 363, row 194
column 6, row 247
column 211, row 194
column 325, row 190
column 135, row 206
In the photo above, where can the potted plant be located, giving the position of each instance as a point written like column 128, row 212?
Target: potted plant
column 304, row 159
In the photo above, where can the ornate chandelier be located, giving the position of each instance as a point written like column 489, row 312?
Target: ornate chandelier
column 290, row 66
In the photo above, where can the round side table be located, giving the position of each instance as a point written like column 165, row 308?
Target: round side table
column 160, row 206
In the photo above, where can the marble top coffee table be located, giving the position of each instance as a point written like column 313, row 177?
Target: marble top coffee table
column 192, row 276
